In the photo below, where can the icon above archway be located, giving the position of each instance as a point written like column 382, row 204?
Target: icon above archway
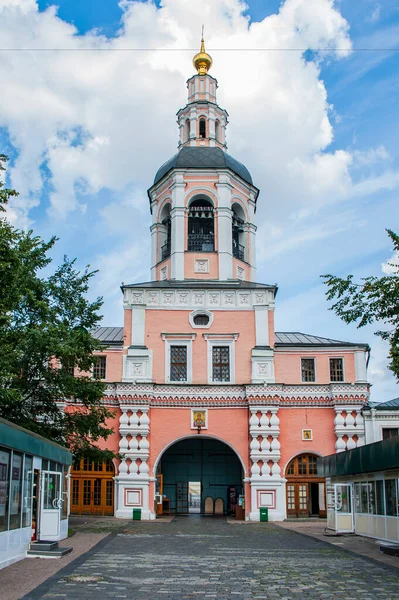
column 199, row 418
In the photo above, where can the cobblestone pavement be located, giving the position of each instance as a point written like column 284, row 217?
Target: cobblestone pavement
column 198, row 558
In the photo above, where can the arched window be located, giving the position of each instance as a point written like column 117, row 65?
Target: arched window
column 202, row 128
column 238, row 233
column 201, row 226
column 165, row 232
column 187, row 132
column 217, row 131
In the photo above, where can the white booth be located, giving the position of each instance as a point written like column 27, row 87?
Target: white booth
column 33, row 491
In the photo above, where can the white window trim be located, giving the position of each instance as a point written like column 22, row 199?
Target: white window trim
column 315, row 372
column 179, row 340
column 343, row 368
column 220, row 339
column 200, row 311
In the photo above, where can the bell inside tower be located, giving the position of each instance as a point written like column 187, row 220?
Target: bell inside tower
column 201, row 237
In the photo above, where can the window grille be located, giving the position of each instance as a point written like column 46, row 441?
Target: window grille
column 221, row 363
column 336, row 369
column 178, row 363
column 201, row 320
column 308, row 369
column 99, row 367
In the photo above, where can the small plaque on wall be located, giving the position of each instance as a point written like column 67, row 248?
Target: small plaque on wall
column 307, row 435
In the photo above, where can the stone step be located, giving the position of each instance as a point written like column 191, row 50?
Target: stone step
column 43, row 545
column 57, row 553
column 390, row 550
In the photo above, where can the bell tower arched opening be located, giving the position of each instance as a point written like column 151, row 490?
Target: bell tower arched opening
column 201, row 227
column 165, row 232
column 201, row 475
column 238, row 233
column 202, row 128
column 187, row 130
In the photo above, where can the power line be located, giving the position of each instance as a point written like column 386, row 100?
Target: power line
column 196, row 49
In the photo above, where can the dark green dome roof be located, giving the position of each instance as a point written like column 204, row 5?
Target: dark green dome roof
column 197, row 157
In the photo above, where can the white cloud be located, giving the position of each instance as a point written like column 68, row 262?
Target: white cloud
column 376, row 14
column 392, row 265
column 97, row 117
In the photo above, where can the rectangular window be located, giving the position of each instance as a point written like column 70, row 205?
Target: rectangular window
column 99, row 367
column 391, row 507
column 16, row 491
column 220, row 363
column 389, row 432
column 336, row 369
column 5, row 459
column 308, row 369
column 379, row 496
column 364, row 498
column 357, row 497
column 28, row 483
column 178, row 363
column 371, row 505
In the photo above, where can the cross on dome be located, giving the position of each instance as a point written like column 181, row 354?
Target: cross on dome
column 202, row 61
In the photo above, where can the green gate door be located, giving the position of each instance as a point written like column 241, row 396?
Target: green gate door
column 182, row 497
column 200, row 459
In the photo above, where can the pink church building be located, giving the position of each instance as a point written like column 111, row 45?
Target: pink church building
column 215, row 411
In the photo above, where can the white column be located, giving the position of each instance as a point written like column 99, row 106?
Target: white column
column 193, row 122
column 360, row 366
column 252, row 249
column 177, row 228
column 133, row 479
column 267, row 485
column 261, row 326
column 225, row 243
column 138, row 325
column 154, row 250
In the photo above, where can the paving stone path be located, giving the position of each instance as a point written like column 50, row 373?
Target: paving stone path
column 198, row 558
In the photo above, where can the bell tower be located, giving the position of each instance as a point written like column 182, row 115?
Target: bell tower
column 203, row 201
column 202, row 122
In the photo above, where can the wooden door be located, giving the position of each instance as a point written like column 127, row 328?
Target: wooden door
column 291, row 503
column 92, row 489
column 302, row 499
column 182, row 497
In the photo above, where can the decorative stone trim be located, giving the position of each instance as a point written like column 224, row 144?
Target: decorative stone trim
column 233, row 299
column 201, row 265
column 164, row 273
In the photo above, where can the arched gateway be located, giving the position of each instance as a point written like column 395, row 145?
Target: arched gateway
column 200, row 475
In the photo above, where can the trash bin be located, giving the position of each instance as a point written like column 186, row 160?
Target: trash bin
column 264, row 514
column 137, row 514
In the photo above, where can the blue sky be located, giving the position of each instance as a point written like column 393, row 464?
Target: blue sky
column 86, row 132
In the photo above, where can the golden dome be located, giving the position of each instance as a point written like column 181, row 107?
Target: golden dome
column 202, row 61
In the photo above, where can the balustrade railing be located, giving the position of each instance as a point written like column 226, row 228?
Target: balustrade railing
column 238, row 251
column 165, row 250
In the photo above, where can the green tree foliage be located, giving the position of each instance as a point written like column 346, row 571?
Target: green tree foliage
column 374, row 299
column 45, row 325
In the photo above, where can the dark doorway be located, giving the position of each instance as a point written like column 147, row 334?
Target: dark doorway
column 314, row 499
column 199, row 475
